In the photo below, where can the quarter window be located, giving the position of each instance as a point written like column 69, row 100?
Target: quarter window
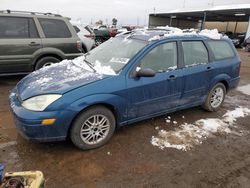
column 221, row 49
column 13, row 27
column 195, row 53
column 54, row 28
column 161, row 58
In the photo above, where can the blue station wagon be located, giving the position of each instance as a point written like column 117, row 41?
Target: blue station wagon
column 129, row 78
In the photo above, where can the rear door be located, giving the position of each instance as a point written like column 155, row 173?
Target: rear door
column 152, row 95
column 59, row 37
column 19, row 40
column 196, row 72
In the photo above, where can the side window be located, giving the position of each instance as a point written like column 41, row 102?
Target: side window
column 32, row 30
column 161, row 58
column 13, row 27
column 54, row 28
column 221, row 49
column 195, row 53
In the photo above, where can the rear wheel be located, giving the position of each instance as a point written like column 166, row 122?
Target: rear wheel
column 46, row 61
column 98, row 41
column 247, row 48
column 93, row 128
column 215, row 97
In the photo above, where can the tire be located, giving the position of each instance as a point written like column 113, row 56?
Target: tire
column 214, row 102
column 85, row 124
column 46, row 61
column 84, row 49
column 247, row 48
column 98, row 41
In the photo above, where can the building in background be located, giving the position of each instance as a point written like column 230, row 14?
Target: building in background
column 228, row 18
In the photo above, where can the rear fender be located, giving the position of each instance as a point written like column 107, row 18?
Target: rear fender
column 219, row 78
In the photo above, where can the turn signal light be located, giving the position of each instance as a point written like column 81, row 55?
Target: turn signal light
column 48, row 121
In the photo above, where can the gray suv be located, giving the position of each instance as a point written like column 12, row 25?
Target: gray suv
column 31, row 40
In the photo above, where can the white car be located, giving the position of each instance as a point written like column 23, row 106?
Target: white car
column 86, row 35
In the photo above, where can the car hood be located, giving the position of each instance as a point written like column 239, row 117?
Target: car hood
column 58, row 79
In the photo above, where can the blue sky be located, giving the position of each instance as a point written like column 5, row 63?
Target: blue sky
column 126, row 11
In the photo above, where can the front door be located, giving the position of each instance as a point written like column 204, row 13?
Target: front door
column 18, row 42
column 152, row 95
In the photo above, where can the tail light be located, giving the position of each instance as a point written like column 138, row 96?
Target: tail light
column 92, row 36
column 112, row 33
column 79, row 45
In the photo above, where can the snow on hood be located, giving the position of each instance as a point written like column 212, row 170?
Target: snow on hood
column 61, row 77
column 186, row 136
column 173, row 31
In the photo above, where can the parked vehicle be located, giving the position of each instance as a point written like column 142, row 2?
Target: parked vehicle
column 104, row 33
column 247, row 44
column 86, row 34
column 237, row 38
column 127, row 79
column 31, row 40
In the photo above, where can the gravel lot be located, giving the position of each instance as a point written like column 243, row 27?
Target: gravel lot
column 129, row 159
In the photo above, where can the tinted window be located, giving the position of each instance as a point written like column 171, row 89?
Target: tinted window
column 221, row 49
column 54, row 28
column 194, row 53
column 11, row 27
column 161, row 58
column 89, row 29
column 76, row 28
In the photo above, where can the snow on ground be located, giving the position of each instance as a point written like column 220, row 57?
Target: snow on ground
column 244, row 89
column 186, row 136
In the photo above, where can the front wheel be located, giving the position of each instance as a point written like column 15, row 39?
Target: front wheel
column 46, row 61
column 93, row 128
column 215, row 97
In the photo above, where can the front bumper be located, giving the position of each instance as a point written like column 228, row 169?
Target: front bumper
column 28, row 123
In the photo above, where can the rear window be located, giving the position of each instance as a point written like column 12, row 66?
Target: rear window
column 76, row 29
column 221, row 49
column 13, row 27
column 54, row 28
column 89, row 29
column 195, row 53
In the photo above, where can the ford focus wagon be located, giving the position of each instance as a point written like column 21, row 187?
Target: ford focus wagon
column 129, row 78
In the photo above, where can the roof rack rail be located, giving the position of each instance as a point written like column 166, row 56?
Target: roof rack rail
column 28, row 12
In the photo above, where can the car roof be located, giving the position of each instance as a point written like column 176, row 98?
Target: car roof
column 30, row 14
column 161, row 34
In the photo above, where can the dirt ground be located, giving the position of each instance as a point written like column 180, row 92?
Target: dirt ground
column 129, row 159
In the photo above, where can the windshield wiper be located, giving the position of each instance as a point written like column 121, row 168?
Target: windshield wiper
column 90, row 65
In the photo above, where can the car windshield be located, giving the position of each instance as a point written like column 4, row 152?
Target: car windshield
column 115, row 53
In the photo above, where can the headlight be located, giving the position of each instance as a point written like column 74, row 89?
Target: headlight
column 39, row 103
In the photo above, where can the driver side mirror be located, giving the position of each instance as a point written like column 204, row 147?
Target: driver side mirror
column 145, row 73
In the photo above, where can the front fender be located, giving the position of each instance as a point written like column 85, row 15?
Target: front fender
column 117, row 102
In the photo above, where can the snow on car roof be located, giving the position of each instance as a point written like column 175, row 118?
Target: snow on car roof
column 159, row 33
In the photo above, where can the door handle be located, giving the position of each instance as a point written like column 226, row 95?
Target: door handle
column 34, row 44
column 172, row 77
